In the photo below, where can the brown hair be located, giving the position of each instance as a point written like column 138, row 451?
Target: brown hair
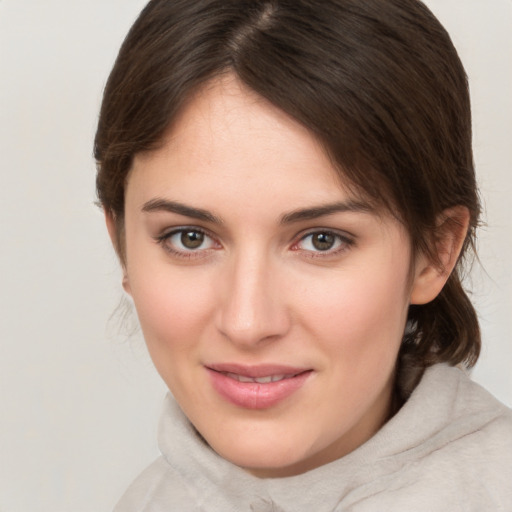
column 378, row 82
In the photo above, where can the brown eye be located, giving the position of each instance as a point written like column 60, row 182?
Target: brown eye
column 186, row 241
column 192, row 239
column 323, row 241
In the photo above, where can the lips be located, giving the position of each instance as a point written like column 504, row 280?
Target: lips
column 256, row 387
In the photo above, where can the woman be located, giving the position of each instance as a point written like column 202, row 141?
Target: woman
column 289, row 186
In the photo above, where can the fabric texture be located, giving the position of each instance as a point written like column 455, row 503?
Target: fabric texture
column 448, row 448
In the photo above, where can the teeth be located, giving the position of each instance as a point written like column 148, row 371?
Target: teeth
column 264, row 380
column 242, row 378
column 259, row 380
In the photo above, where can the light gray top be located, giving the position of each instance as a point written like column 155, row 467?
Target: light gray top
column 449, row 448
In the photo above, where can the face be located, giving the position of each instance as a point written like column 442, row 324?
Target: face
column 272, row 301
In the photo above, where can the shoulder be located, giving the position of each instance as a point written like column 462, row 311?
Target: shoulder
column 467, row 407
column 465, row 456
column 448, row 448
column 467, row 419
column 481, row 448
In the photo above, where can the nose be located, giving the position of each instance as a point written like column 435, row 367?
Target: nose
column 252, row 309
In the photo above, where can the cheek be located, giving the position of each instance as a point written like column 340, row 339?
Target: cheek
column 358, row 324
column 361, row 313
column 174, row 314
column 173, row 307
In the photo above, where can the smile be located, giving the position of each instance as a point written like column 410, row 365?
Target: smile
column 257, row 387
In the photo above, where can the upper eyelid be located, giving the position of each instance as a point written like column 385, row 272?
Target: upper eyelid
column 181, row 254
column 338, row 232
column 166, row 233
column 346, row 240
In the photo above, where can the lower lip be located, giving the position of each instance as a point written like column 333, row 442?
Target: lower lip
column 253, row 395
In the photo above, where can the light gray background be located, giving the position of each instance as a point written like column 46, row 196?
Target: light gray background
column 79, row 399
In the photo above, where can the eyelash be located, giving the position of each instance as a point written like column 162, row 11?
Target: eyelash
column 164, row 239
column 344, row 243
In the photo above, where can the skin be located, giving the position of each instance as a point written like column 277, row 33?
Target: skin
column 257, row 290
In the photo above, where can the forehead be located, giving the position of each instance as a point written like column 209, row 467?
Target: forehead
column 229, row 139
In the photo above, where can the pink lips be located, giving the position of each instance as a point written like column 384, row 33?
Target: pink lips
column 256, row 387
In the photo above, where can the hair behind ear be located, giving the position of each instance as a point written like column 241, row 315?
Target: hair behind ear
column 445, row 327
column 444, row 330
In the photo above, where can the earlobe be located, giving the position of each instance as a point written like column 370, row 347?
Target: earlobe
column 430, row 276
column 126, row 283
column 428, row 282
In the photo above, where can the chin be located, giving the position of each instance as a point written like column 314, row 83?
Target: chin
column 269, row 465
column 276, row 465
column 261, row 457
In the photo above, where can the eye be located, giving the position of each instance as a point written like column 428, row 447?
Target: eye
column 323, row 241
column 185, row 241
column 189, row 240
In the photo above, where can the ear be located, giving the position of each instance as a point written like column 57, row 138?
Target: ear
column 111, row 227
column 110, row 221
column 430, row 276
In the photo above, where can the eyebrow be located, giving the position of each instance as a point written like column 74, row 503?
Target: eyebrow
column 327, row 209
column 164, row 205
column 314, row 212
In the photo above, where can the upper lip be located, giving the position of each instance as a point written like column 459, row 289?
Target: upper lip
column 255, row 371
